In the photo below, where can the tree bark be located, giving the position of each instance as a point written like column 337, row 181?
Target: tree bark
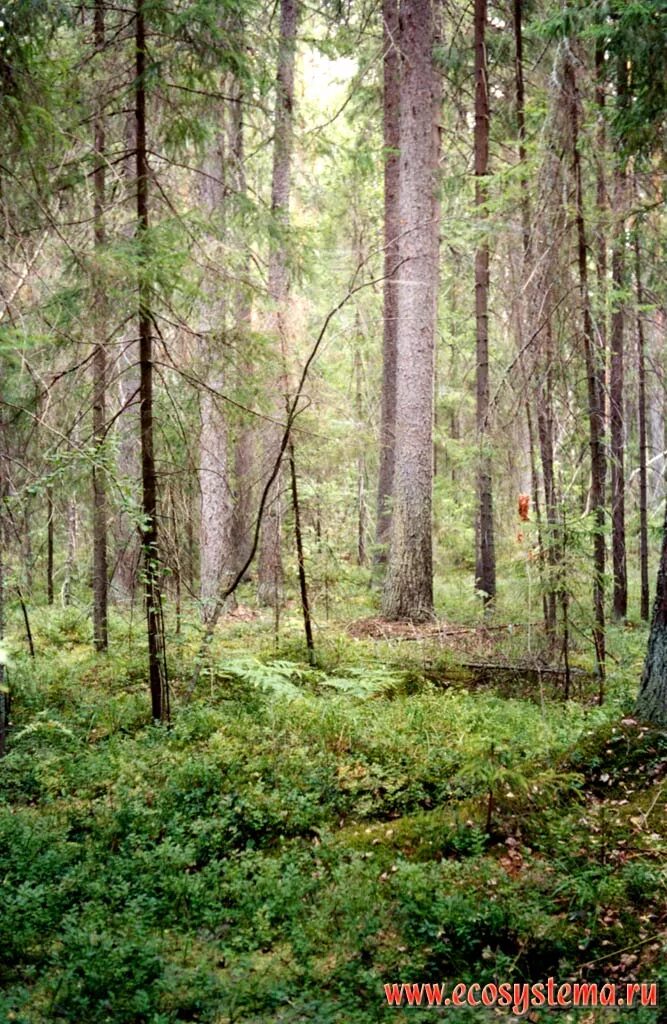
column 595, row 401
column 485, row 571
column 652, row 699
column 100, row 571
column 301, row 564
column 216, row 510
column 643, row 469
column 244, row 443
column 392, row 230
column 269, row 569
column 156, row 655
column 616, row 377
column 408, row 590
column 361, row 458
column 49, row 545
column 72, row 536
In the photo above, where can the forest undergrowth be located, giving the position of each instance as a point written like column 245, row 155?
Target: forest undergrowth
column 304, row 834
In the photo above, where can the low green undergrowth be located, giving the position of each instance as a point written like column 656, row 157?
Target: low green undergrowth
column 302, row 835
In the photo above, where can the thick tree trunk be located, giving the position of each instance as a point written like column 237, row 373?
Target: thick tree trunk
column 408, row 590
column 100, row 582
column 215, row 538
column 155, row 636
column 643, row 469
column 595, row 400
column 485, row 571
column 269, row 568
column 244, row 443
column 652, row 700
column 392, row 230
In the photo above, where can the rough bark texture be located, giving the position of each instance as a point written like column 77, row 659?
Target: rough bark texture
column 156, row 660
column 652, row 700
column 127, row 548
column 616, row 375
column 408, row 590
column 361, row 460
column 392, row 228
column 595, row 400
column 617, row 418
column 244, row 443
column 100, row 582
column 269, row 568
column 215, row 538
column 643, row 469
column 485, row 566
column 72, row 536
column 216, row 566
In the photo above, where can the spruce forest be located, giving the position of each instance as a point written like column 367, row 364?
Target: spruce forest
column 333, row 510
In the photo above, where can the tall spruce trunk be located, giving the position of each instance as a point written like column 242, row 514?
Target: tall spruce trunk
column 156, row 655
column 392, row 228
column 616, row 374
column 269, row 569
column 244, row 442
column 100, row 581
column 616, row 413
column 216, row 508
column 594, row 389
column 485, row 564
column 641, row 410
column 408, row 592
column 652, row 699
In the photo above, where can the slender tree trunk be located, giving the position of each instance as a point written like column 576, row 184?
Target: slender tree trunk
column 127, row 544
column 269, row 569
column 521, row 123
column 392, row 230
column 652, row 700
column 595, row 420
column 49, row 545
column 545, row 430
column 155, row 636
column 216, row 567
column 100, row 583
column 643, row 469
column 361, row 460
column 408, row 590
column 616, row 377
column 485, row 573
column 301, row 564
column 602, row 206
column 72, row 536
column 616, row 415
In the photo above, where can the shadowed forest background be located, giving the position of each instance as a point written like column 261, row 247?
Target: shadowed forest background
column 333, row 477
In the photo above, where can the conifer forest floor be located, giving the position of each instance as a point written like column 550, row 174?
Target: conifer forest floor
column 414, row 806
